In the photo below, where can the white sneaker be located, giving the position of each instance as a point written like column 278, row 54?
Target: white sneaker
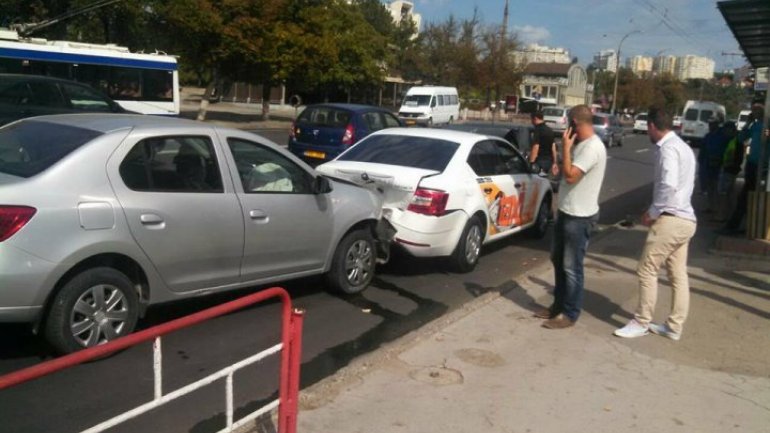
column 634, row 329
column 665, row 331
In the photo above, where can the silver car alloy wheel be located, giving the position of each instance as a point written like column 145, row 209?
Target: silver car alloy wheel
column 359, row 262
column 99, row 315
column 473, row 244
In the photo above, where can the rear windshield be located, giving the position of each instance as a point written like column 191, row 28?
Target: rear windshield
column 553, row 112
column 743, row 117
column 404, row 151
column 691, row 114
column 705, row 115
column 325, row 116
column 28, row 148
column 641, row 117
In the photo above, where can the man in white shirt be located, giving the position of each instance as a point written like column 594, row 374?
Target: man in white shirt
column 672, row 224
column 583, row 166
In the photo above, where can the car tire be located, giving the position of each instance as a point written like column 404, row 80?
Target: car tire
column 353, row 264
column 540, row 227
column 468, row 249
column 95, row 306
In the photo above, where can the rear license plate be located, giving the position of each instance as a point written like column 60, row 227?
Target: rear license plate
column 410, row 122
column 315, row 154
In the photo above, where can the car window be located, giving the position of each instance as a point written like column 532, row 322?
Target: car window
column 598, row 120
column 705, row 115
column 17, row 94
column 390, row 120
column 263, row 170
column 46, row 95
column 514, row 162
column 325, row 116
column 373, row 121
column 553, row 112
column 172, row 164
column 416, row 100
column 691, row 114
column 403, row 150
column 30, row 147
column 485, row 160
column 641, row 117
column 83, row 98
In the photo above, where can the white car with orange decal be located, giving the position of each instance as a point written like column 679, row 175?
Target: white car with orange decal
column 448, row 192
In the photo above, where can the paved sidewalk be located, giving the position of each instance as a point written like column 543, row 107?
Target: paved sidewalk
column 491, row 367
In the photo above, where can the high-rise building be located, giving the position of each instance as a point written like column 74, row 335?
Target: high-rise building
column 606, row 60
column 664, row 65
column 401, row 10
column 639, row 65
column 534, row 53
column 690, row 67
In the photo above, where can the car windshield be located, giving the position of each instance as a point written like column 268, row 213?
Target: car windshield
column 325, row 116
column 743, row 117
column 416, row 100
column 641, row 117
column 691, row 114
column 705, row 115
column 553, row 112
column 404, row 151
column 600, row 120
column 30, row 147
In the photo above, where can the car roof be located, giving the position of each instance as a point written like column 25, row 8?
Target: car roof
column 105, row 123
column 461, row 137
column 357, row 108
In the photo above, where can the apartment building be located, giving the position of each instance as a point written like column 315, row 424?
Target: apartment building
column 640, row 65
column 534, row 53
column 691, row 67
column 606, row 60
column 664, row 65
column 401, row 10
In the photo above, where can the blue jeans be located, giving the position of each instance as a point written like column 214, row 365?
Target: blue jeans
column 570, row 242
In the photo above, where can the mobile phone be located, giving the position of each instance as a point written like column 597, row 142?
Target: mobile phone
column 573, row 128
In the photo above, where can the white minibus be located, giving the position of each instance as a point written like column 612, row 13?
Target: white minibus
column 428, row 105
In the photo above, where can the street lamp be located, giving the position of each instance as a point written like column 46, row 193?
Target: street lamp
column 617, row 70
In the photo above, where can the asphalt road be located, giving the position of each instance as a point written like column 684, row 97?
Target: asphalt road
column 406, row 294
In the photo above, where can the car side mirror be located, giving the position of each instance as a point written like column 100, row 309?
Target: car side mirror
column 321, row 185
column 534, row 168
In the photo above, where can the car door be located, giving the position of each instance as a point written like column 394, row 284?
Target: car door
column 288, row 228
column 179, row 210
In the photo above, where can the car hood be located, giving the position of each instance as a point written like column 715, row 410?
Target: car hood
column 394, row 183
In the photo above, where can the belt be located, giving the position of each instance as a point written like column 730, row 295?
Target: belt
column 667, row 214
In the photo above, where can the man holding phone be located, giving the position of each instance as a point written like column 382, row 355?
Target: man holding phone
column 584, row 160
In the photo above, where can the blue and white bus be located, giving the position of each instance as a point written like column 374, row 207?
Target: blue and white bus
column 142, row 83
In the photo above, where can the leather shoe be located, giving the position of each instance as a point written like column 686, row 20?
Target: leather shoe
column 544, row 313
column 559, row 322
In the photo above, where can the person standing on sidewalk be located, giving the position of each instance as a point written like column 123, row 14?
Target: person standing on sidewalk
column 582, row 176
column 543, row 151
column 672, row 223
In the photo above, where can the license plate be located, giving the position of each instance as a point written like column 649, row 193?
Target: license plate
column 410, row 122
column 315, row 154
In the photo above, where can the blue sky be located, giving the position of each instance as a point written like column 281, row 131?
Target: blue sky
column 586, row 26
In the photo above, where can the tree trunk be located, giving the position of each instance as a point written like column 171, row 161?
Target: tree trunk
column 266, row 101
column 213, row 84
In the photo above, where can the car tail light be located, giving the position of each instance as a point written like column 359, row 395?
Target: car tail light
column 428, row 202
column 13, row 218
column 348, row 138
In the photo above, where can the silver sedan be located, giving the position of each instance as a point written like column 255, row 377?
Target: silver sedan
column 102, row 215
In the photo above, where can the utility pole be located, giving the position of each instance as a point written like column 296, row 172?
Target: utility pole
column 617, row 70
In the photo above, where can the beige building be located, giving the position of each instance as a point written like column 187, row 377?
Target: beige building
column 534, row 53
column 691, row 67
column 664, row 65
column 554, row 84
column 640, row 65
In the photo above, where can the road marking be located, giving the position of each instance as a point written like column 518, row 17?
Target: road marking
column 642, row 150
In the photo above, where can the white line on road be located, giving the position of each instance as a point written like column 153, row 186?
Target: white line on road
column 642, row 150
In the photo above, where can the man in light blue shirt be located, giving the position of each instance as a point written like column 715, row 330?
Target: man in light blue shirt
column 672, row 224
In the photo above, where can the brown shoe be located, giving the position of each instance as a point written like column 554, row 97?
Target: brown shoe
column 544, row 313
column 559, row 322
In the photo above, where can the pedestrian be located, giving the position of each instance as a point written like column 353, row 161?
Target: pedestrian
column 584, row 160
column 710, row 163
column 543, row 149
column 753, row 131
column 732, row 159
column 672, row 224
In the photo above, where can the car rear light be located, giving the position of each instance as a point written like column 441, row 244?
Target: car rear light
column 13, row 218
column 348, row 138
column 428, row 202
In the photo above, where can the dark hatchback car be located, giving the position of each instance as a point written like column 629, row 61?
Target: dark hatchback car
column 518, row 135
column 323, row 131
column 24, row 96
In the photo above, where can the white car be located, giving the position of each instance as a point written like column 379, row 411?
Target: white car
column 448, row 192
column 640, row 123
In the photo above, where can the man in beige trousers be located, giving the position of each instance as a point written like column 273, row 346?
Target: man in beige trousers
column 672, row 224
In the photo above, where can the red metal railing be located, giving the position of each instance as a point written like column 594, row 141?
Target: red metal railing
column 291, row 350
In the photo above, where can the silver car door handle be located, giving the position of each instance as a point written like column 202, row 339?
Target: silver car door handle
column 258, row 215
column 150, row 219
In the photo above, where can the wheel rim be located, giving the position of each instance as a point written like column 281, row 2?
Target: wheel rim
column 473, row 244
column 359, row 262
column 99, row 315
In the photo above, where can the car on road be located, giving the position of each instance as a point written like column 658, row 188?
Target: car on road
column 609, row 129
column 448, row 192
column 743, row 117
column 323, row 131
column 24, row 96
column 102, row 215
column 557, row 118
column 640, row 123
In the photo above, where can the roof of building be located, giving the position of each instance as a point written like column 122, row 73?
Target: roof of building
column 550, row 69
column 749, row 21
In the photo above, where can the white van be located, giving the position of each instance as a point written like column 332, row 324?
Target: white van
column 426, row 105
column 695, row 119
column 743, row 117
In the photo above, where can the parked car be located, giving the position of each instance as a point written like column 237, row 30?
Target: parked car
column 609, row 129
column 102, row 215
column 24, row 96
column 640, row 123
column 556, row 118
column 448, row 192
column 323, row 131
column 696, row 118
